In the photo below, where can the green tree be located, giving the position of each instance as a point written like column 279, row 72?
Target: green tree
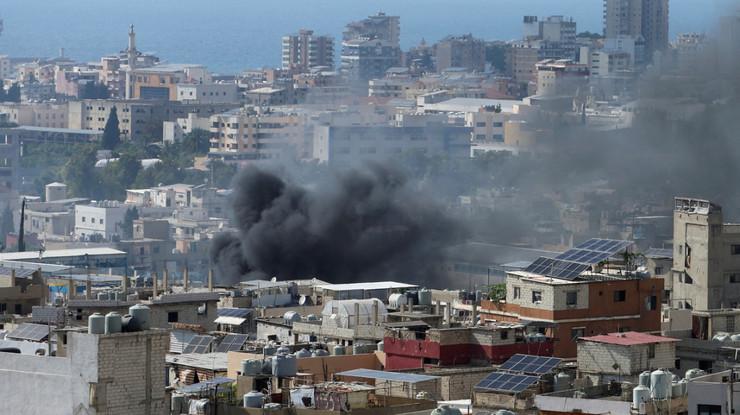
column 111, row 133
column 79, row 172
column 14, row 93
column 196, row 142
column 128, row 222
column 6, row 223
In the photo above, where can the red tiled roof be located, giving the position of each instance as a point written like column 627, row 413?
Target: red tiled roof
column 629, row 338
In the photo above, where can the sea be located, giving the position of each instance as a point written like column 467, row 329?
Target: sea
column 229, row 36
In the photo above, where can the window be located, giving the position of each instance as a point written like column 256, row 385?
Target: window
column 651, row 302
column 3, row 308
column 92, row 220
column 18, row 309
column 504, row 334
column 709, row 409
column 577, row 332
column 83, row 219
column 536, row 296
column 730, row 324
column 480, row 124
column 517, row 293
column 571, row 298
column 101, row 221
column 658, row 271
column 172, row 317
column 651, row 351
column 620, row 296
column 735, row 249
column 687, row 279
column 735, row 278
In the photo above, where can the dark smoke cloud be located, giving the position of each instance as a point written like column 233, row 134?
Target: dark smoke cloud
column 340, row 226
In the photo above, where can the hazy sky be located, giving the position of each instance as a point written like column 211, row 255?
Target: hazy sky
column 229, row 35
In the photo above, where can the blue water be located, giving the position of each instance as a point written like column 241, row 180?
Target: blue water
column 231, row 35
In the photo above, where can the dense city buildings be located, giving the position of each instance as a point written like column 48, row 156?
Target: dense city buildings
column 539, row 226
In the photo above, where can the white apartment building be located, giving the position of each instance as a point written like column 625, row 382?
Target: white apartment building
column 267, row 135
column 174, row 131
column 213, row 93
column 706, row 257
column 102, row 218
column 5, row 69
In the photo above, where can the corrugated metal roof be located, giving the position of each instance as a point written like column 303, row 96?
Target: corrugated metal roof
column 391, row 376
column 179, row 339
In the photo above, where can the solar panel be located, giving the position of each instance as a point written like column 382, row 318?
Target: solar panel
column 594, row 251
column 30, row 331
column 557, row 268
column 232, row 343
column 199, row 344
column 506, row 382
column 233, row 312
column 537, row 365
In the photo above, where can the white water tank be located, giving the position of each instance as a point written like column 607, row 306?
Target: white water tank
column 113, row 323
column 284, row 366
column 660, row 384
column 302, row 354
column 291, row 316
column 396, row 300
column 446, row 410
column 425, row 296
column 381, row 346
column 504, row 412
column 640, row 394
column 141, row 315
column 251, row 367
column 312, row 317
column 735, row 337
column 562, row 381
column 96, row 324
column 339, row 350
column 684, row 386
column 721, row 337
column 55, row 191
column 253, row 399
column 283, row 350
column 694, row 373
column 645, row 379
column 319, row 353
column 676, row 389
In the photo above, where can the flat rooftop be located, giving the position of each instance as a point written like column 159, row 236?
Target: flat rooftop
column 365, row 286
column 58, row 253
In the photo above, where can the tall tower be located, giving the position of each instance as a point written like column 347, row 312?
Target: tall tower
column 131, row 47
column 131, row 58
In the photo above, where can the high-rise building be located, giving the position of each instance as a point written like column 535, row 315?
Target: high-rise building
column 371, row 46
column 646, row 19
column 461, row 52
column 304, row 50
column 379, row 26
column 555, row 36
column 729, row 43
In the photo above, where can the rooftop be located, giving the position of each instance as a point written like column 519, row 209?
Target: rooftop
column 472, row 104
column 629, row 338
column 58, row 253
column 59, row 130
column 365, row 286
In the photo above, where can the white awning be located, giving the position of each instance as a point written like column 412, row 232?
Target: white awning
column 232, row 321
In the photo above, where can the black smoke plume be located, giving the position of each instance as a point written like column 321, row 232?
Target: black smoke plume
column 341, row 226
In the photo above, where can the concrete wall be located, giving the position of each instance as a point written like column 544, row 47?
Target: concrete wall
column 600, row 358
column 322, row 368
column 132, row 373
column 710, row 390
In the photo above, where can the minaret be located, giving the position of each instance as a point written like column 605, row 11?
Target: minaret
column 131, row 55
column 131, row 47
